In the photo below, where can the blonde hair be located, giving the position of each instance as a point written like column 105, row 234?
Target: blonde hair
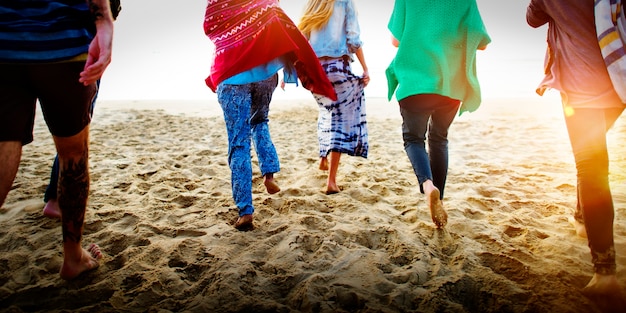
column 316, row 15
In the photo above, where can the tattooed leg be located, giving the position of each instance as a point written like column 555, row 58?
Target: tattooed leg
column 73, row 191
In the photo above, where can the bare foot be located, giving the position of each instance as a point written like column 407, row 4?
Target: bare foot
column 87, row 260
column 331, row 191
column 270, row 184
column 604, row 290
column 437, row 213
column 324, row 164
column 244, row 223
column 52, row 209
column 579, row 227
column 332, row 188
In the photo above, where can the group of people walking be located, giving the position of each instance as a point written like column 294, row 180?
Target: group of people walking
column 432, row 76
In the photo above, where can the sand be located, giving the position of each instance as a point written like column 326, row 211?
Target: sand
column 160, row 207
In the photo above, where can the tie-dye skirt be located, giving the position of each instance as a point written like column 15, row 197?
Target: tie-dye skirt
column 341, row 124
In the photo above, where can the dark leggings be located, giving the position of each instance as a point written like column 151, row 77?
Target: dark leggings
column 587, row 132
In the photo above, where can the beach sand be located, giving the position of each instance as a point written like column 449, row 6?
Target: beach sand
column 160, row 208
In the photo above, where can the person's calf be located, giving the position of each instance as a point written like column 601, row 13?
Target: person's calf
column 10, row 155
column 323, row 164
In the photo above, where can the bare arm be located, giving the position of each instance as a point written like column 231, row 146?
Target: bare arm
column 100, row 49
column 361, row 56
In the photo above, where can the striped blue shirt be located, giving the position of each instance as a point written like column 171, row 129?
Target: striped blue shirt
column 38, row 31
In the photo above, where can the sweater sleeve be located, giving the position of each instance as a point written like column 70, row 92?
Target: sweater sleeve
column 396, row 27
column 535, row 15
column 353, row 30
column 397, row 20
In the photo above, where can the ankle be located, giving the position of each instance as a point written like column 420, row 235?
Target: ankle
column 428, row 187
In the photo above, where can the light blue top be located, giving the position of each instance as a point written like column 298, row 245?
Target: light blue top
column 263, row 72
column 341, row 35
column 259, row 73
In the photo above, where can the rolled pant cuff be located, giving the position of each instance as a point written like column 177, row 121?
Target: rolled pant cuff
column 605, row 269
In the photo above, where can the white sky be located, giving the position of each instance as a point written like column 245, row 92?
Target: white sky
column 161, row 52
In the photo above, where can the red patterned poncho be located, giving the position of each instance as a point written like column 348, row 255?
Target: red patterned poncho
column 250, row 33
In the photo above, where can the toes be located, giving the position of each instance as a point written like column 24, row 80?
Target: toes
column 94, row 250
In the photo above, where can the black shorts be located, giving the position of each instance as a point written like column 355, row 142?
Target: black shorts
column 65, row 102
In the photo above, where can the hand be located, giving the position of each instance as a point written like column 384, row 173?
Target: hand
column 395, row 42
column 365, row 78
column 99, row 54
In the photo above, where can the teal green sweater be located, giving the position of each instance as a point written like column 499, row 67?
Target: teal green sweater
column 437, row 51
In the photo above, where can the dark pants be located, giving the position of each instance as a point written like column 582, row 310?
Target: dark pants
column 587, row 132
column 427, row 118
column 64, row 101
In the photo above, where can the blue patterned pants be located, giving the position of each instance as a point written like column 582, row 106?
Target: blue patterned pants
column 246, row 109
